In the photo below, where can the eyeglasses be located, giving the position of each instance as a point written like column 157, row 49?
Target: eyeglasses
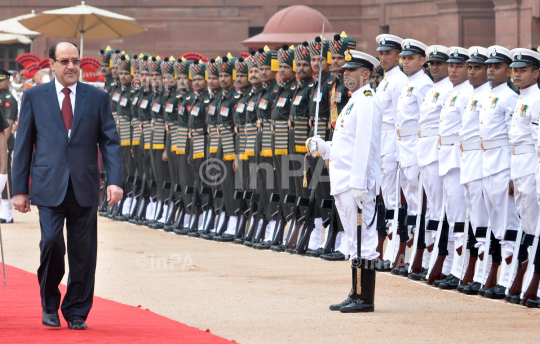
column 65, row 62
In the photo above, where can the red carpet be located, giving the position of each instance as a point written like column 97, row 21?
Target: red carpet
column 108, row 322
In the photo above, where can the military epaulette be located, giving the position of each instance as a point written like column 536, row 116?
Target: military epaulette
column 179, row 96
column 237, row 96
column 311, row 85
column 207, row 101
column 8, row 96
column 132, row 91
column 368, row 93
column 331, row 82
column 293, row 88
column 188, row 98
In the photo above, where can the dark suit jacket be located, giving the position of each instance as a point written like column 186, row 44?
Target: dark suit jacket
column 58, row 158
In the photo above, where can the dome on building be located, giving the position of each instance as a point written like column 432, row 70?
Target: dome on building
column 292, row 25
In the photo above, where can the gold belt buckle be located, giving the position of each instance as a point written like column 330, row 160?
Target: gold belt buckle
column 513, row 150
column 419, row 133
column 398, row 134
column 482, row 145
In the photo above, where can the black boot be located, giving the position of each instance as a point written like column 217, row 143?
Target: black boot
column 352, row 295
column 365, row 302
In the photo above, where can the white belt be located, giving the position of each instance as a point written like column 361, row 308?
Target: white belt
column 449, row 140
column 402, row 132
column 469, row 146
column 491, row 144
column 428, row 132
column 388, row 126
column 523, row 149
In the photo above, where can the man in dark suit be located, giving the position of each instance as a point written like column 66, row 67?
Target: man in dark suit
column 65, row 121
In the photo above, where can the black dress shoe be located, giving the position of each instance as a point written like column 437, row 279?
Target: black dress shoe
column 497, row 292
column 472, row 288
column 265, row 245
column 239, row 241
column 512, row 299
column 5, row 221
column 460, row 288
column 77, row 323
column 423, row 276
column 444, row 278
column 358, row 306
column 450, row 284
column 292, row 251
column 209, row 236
column 337, row 307
column 416, row 276
column 224, row 238
column 533, row 303
column 278, row 248
column 248, row 243
column 315, row 253
column 51, row 320
column 383, row 266
column 404, row 271
column 334, row 256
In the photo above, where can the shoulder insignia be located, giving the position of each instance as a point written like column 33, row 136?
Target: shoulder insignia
column 132, row 91
column 237, row 96
column 368, row 93
column 207, row 101
column 179, row 96
column 188, row 98
column 330, row 82
column 8, row 96
column 311, row 85
column 293, row 88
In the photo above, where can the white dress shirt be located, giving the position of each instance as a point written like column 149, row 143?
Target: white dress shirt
column 411, row 97
column 524, row 131
column 430, row 113
column 450, row 124
column 495, row 118
column 61, row 96
column 388, row 94
column 469, row 134
column 355, row 151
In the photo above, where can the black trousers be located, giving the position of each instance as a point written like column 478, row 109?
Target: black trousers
column 81, row 227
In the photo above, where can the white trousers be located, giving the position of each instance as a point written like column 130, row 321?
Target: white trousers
column 456, row 208
column 388, row 191
column 526, row 202
column 409, row 184
column 433, row 188
column 501, row 208
column 348, row 211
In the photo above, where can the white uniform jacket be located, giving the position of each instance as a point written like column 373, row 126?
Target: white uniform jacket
column 354, row 154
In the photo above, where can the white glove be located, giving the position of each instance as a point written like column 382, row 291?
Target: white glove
column 3, row 179
column 316, row 145
column 359, row 196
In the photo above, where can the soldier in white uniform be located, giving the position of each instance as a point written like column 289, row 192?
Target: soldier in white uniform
column 454, row 204
column 471, row 170
column 428, row 152
column 354, row 157
column 523, row 137
column 495, row 118
column 408, row 113
column 388, row 94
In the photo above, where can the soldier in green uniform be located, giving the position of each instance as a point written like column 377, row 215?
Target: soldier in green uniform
column 268, row 64
column 244, row 88
column 169, row 104
column 197, row 129
column 160, row 168
column 281, row 125
column 115, row 90
column 106, row 70
column 136, row 131
column 227, row 132
column 185, row 97
column 10, row 108
column 123, row 125
column 144, row 108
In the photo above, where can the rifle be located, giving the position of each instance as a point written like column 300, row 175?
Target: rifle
column 255, row 212
column 118, row 213
column 434, row 249
column 153, row 199
column 209, row 213
column 294, row 231
column 308, row 226
column 173, row 202
column 381, row 226
column 516, row 285
column 403, row 222
column 442, row 245
column 160, row 225
column 177, row 217
column 208, row 234
column 469, row 243
column 139, row 200
column 415, row 262
column 532, row 276
column 279, row 228
column 331, row 225
column 103, row 205
column 194, row 212
column 277, row 244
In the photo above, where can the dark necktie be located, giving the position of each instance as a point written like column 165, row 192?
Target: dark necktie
column 67, row 111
